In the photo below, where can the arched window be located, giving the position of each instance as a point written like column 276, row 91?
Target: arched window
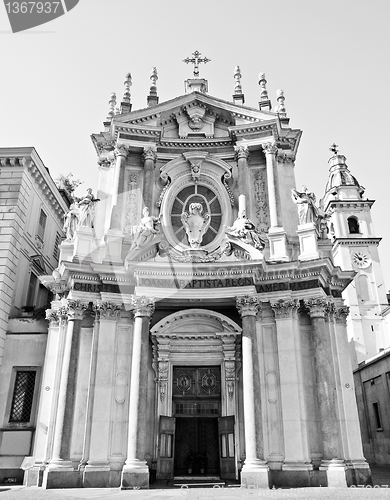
column 353, row 225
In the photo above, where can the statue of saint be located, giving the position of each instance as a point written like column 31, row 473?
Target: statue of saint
column 146, row 230
column 244, row 229
column 70, row 221
column 305, row 200
column 195, row 224
column 87, row 206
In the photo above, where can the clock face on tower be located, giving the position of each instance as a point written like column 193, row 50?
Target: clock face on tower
column 361, row 259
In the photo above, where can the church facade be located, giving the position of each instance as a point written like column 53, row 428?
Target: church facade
column 199, row 327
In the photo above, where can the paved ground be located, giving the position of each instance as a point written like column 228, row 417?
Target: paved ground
column 380, row 474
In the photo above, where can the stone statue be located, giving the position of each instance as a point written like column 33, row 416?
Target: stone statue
column 305, row 200
column 70, row 221
column 244, row 229
column 195, row 224
column 146, row 230
column 86, row 207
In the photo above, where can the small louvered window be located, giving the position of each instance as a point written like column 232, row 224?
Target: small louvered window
column 42, row 224
column 23, row 397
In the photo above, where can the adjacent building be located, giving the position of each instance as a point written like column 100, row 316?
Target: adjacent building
column 31, row 220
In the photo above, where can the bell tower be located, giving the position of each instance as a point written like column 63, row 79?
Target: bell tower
column 355, row 246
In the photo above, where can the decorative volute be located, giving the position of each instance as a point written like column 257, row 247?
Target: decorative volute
column 152, row 97
column 238, row 96
column 264, row 103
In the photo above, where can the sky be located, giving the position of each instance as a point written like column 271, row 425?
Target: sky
column 330, row 57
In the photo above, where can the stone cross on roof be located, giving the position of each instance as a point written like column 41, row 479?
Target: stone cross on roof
column 334, row 148
column 196, row 60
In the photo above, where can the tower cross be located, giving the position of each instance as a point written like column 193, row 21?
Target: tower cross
column 196, row 60
column 334, row 148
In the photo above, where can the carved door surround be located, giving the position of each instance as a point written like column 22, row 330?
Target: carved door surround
column 196, row 337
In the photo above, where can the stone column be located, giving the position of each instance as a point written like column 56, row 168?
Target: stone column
column 117, row 196
column 242, row 157
column 326, row 392
column 254, row 470
column 295, row 432
column 358, row 470
column 149, row 156
column 135, row 472
column 270, row 151
column 276, row 233
column 97, row 471
column 60, row 471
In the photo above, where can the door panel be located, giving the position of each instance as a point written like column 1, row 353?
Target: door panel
column 166, row 448
column 227, row 447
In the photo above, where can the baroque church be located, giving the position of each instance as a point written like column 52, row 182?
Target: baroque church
column 200, row 326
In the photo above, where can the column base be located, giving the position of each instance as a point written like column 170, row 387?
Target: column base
column 296, row 474
column 358, row 473
column 135, row 474
column 96, row 476
column 53, row 479
column 255, row 474
column 277, row 244
column 335, row 473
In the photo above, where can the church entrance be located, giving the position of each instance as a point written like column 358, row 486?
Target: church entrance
column 196, row 447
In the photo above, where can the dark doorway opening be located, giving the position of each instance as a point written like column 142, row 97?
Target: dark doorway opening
column 196, row 446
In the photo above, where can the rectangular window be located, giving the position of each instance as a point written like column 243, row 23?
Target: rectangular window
column 377, row 416
column 42, row 224
column 56, row 244
column 23, row 396
column 31, row 292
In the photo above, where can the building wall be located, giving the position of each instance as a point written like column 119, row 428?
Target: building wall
column 372, row 381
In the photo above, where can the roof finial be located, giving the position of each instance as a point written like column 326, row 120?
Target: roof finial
column 264, row 102
column 112, row 103
column 334, row 148
column 280, row 108
column 152, row 97
column 126, row 100
column 238, row 96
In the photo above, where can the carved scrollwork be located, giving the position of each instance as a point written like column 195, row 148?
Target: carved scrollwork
column 341, row 314
column 226, row 176
column 195, row 171
column 166, row 181
column 317, row 306
column 248, row 305
column 53, row 316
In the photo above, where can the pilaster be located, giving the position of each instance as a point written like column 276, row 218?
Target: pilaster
column 242, row 157
column 96, row 471
column 149, row 156
column 135, row 472
column 254, row 470
column 295, row 432
column 326, row 389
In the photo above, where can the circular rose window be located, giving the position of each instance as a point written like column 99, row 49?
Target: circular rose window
column 196, row 193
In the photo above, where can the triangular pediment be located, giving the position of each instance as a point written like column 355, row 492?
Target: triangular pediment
column 194, row 115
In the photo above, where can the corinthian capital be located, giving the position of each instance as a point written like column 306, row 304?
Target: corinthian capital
column 318, row 306
column 53, row 316
column 283, row 309
column 121, row 150
column 107, row 310
column 270, row 148
column 142, row 306
column 248, row 305
column 341, row 314
column 72, row 309
column 149, row 154
column 241, row 152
